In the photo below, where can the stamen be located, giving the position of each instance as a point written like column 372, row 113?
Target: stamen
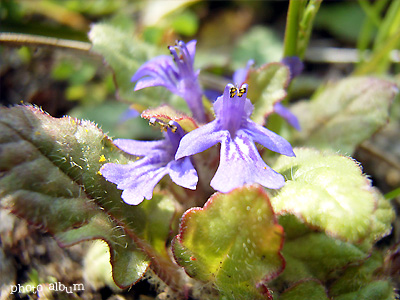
column 152, row 121
column 242, row 91
column 164, row 126
column 232, row 92
column 172, row 126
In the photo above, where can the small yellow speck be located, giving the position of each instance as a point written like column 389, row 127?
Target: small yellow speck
column 37, row 133
column 98, row 172
column 102, row 158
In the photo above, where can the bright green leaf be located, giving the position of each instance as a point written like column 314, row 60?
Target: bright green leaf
column 344, row 114
column 233, row 242
column 329, row 191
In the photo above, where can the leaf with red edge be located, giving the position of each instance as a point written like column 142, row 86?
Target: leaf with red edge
column 267, row 86
column 234, row 242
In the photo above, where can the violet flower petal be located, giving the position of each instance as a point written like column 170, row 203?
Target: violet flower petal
column 150, row 81
column 154, row 67
column 240, row 75
column 268, row 139
column 200, row 139
column 240, row 163
column 136, row 186
column 139, row 148
column 287, row 115
column 183, row 173
column 294, row 64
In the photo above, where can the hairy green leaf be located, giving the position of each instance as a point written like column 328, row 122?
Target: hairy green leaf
column 363, row 282
column 329, row 192
column 234, row 242
column 309, row 289
column 316, row 255
column 344, row 114
column 49, row 176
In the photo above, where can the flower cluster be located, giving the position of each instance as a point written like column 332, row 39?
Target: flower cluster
column 240, row 161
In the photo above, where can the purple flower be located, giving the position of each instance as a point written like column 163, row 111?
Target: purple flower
column 240, row 162
column 138, row 179
column 175, row 74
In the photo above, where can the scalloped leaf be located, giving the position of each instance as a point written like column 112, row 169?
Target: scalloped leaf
column 166, row 113
column 234, row 242
column 267, row 86
column 49, row 176
column 125, row 53
column 329, row 192
column 344, row 114
column 316, row 255
column 310, row 290
column 363, row 282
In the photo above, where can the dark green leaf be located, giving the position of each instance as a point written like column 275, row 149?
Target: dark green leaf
column 49, row 176
column 310, row 290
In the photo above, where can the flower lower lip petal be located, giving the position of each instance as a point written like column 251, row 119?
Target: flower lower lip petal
column 240, row 163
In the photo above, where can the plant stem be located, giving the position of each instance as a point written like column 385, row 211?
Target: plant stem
column 19, row 39
column 389, row 25
column 368, row 26
column 292, row 27
column 380, row 58
column 306, row 25
column 300, row 18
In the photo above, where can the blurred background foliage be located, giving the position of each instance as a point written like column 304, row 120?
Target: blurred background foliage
column 229, row 33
